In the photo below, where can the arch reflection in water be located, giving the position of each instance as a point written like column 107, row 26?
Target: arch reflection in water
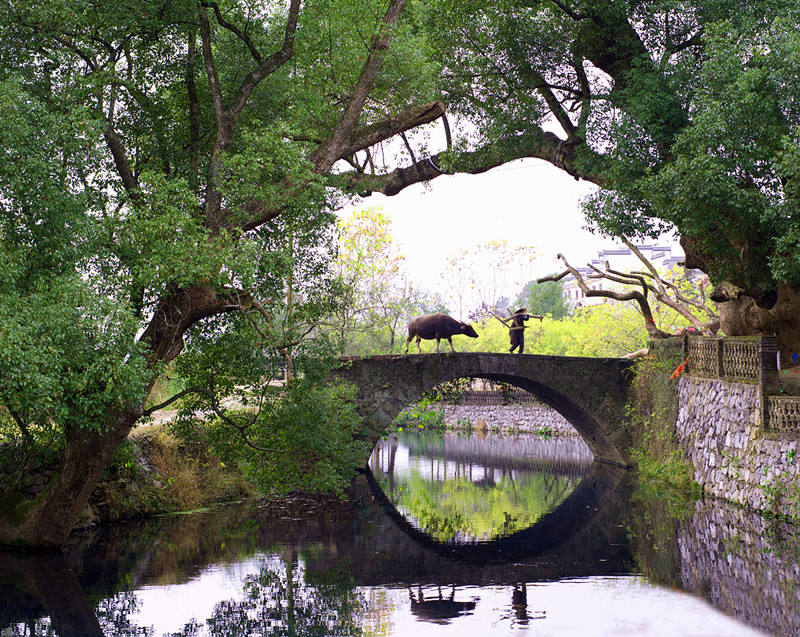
column 460, row 488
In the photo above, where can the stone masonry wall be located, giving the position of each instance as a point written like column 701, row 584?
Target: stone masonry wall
column 525, row 418
column 719, row 427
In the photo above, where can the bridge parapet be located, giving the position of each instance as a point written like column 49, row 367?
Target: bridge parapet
column 743, row 359
column 591, row 393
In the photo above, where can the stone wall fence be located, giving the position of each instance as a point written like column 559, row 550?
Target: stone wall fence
column 739, row 433
column 506, row 410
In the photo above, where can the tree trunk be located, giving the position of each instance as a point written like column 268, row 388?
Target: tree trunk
column 49, row 519
column 741, row 316
column 52, row 582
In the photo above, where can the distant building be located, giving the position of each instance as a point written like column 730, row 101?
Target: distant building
column 621, row 258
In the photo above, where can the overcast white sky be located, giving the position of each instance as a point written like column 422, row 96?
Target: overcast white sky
column 527, row 202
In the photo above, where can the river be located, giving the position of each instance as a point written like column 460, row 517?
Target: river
column 446, row 535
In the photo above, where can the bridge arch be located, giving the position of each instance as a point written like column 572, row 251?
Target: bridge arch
column 591, row 393
column 600, row 491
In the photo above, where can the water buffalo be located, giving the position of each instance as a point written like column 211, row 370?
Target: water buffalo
column 437, row 326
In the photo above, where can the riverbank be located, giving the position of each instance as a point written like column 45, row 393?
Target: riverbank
column 154, row 472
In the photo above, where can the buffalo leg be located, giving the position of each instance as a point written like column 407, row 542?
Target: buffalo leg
column 450, row 340
column 419, row 349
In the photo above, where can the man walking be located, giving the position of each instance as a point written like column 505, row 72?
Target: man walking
column 516, row 330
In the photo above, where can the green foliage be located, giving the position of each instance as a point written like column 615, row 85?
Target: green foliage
column 545, row 433
column 123, row 193
column 729, row 178
column 545, row 299
column 688, row 119
column 63, row 339
column 307, row 437
column 658, row 513
column 610, row 330
column 380, row 298
column 426, row 414
column 781, row 493
column 653, row 412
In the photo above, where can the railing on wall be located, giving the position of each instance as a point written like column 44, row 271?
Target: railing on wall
column 780, row 416
column 748, row 360
column 512, row 397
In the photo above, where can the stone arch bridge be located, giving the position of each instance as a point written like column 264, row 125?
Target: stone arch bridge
column 591, row 393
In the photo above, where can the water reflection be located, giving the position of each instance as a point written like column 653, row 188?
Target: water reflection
column 438, row 609
column 357, row 568
column 744, row 564
column 461, row 488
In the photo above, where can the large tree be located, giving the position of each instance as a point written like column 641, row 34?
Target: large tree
column 146, row 146
column 684, row 113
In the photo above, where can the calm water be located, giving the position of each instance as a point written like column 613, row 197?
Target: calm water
column 448, row 535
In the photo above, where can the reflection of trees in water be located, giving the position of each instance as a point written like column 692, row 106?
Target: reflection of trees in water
column 357, row 536
column 114, row 616
column 30, row 628
column 458, row 508
column 455, row 488
column 285, row 601
column 280, row 600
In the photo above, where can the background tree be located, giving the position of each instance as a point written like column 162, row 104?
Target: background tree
column 685, row 115
column 174, row 134
column 479, row 279
column 607, row 330
column 369, row 263
column 545, row 298
column 381, row 299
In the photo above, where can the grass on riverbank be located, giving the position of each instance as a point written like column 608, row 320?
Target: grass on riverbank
column 653, row 412
column 154, row 472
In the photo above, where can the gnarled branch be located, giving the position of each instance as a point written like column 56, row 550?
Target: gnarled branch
column 635, row 295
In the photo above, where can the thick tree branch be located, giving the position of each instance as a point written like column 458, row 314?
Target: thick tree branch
column 660, row 290
column 194, row 111
column 270, row 64
column 361, row 139
column 329, row 153
column 181, row 308
column 701, row 305
column 121, row 162
column 365, row 136
column 662, row 294
column 586, row 95
column 694, row 40
column 565, row 8
column 539, row 144
column 191, row 390
column 211, row 69
column 552, row 102
column 21, row 424
column 233, row 29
